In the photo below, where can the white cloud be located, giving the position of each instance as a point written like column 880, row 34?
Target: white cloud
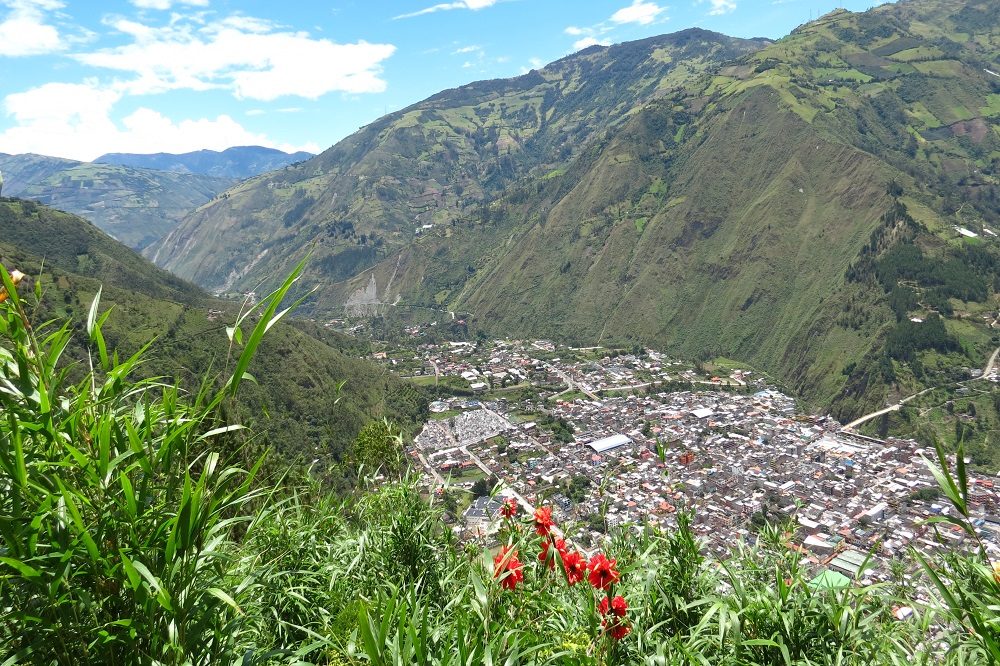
column 244, row 55
column 720, row 7
column 167, row 4
column 474, row 5
column 536, row 63
column 467, row 49
column 85, row 129
column 248, row 24
column 24, row 30
column 581, row 44
column 641, row 12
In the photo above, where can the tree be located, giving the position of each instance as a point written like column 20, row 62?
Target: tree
column 378, row 447
column 449, row 501
column 484, row 487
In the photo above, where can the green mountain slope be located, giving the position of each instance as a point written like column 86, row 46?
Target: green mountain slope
column 751, row 215
column 430, row 164
column 768, row 207
column 135, row 206
column 296, row 405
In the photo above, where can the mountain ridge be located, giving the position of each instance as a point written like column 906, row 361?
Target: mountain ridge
column 381, row 184
column 712, row 202
column 239, row 162
column 135, row 205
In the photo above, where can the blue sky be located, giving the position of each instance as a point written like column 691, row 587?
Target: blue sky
column 81, row 78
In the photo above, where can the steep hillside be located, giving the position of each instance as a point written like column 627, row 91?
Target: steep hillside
column 238, row 162
column 430, row 164
column 296, row 402
column 755, row 214
column 135, row 206
column 767, row 208
column 20, row 171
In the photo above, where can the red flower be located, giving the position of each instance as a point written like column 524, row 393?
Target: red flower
column 543, row 520
column 508, row 568
column 509, row 508
column 544, row 555
column 614, row 621
column 617, row 630
column 619, row 606
column 602, row 572
column 575, row 566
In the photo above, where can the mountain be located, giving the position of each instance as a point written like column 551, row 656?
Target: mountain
column 296, row 403
column 431, row 163
column 795, row 205
column 238, row 162
column 135, row 206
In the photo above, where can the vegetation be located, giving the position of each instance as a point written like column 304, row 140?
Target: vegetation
column 146, row 203
column 312, row 394
column 596, row 201
column 138, row 527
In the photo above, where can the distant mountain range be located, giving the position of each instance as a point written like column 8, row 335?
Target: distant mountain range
column 135, row 206
column 802, row 205
column 239, row 162
column 136, row 198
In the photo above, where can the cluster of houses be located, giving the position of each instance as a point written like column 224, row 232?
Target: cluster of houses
column 500, row 364
column 737, row 458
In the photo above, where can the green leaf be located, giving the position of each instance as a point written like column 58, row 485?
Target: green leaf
column 267, row 319
column 235, row 334
column 963, row 479
column 81, row 529
column 130, row 571
column 219, row 431
column 225, row 598
column 162, row 596
column 21, row 567
column 92, row 315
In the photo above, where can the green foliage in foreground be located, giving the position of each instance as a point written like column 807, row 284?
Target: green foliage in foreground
column 133, row 532
column 314, row 391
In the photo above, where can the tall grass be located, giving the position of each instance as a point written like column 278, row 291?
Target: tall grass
column 117, row 518
column 133, row 532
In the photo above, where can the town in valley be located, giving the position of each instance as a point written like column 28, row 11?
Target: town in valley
column 621, row 439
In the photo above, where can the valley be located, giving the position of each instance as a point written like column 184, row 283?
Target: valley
column 555, row 205
column 680, row 348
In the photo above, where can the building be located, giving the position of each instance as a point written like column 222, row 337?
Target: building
column 483, row 510
column 608, row 443
column 849, row 562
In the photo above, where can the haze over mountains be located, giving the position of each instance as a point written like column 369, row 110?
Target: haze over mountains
column 692, row 191
column 135, row 206
column 238, row 162
column 136, row 198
